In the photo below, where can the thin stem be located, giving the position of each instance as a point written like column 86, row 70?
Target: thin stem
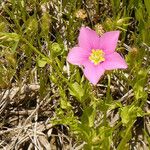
column 107, row 100
column 125, row 138
column 108, row 87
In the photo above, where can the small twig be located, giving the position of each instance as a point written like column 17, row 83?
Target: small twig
column 80, row 146
column 35, row 125
column 128, row 94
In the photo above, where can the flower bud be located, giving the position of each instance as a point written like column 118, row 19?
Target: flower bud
column 81, row 14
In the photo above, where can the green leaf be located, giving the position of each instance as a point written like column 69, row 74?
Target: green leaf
column 64, row 104
column 31, row 26
column 45, row 23
column 9, row 36
column 76, row 90
column 140, row 82
column 88, row 117
column 130, row 113
column 105, row 134
column 3, row 26
column 114, row 104
column 147, row 4
column 42, row 63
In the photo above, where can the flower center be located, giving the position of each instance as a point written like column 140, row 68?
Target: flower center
column 97, row 56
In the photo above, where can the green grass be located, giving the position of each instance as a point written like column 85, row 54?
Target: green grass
column 35, row 37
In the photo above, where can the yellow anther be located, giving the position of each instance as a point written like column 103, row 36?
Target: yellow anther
column 97, row 56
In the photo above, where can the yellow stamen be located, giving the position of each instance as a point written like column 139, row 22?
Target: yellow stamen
column 97, row 56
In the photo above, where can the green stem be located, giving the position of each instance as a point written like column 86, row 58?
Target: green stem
column 108, row 87
column 116, row 126
column 125, row 138
column 46, row 58
column 107, row 100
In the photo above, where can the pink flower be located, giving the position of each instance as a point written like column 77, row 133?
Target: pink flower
column 96, row 54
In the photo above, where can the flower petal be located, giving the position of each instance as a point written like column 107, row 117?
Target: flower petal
column 114, row 61
column 77, row 56
column 93, row 72
column 88, row 39
column 109, row 41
